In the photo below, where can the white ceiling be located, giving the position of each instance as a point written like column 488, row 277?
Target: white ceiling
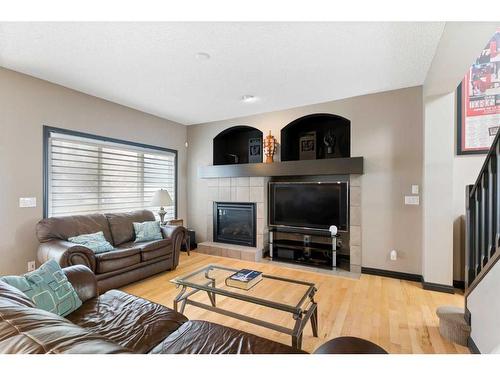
column 152, row 66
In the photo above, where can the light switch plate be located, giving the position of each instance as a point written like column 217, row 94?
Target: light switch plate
column 414, row 189
column 412, row 200
column 27, row 202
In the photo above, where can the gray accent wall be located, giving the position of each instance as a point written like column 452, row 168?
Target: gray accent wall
column 387, row 130
column 26, row 104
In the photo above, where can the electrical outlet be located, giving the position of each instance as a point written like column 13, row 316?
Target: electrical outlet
column 414, row 189
column 412, row 200
column 394, row 255
column 31, row 265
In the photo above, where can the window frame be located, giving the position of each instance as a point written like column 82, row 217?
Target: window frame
column 48, row 130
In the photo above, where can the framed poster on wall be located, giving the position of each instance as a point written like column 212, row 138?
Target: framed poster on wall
column 478, row 102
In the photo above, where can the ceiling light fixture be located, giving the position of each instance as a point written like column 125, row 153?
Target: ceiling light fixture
column 248, row 98
column 202, row 56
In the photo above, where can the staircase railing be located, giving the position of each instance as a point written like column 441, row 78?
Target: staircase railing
column 482, row 228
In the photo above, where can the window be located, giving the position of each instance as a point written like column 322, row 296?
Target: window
column 87, row 174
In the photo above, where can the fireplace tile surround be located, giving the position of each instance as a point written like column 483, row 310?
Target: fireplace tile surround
column 241, row 190
column 254, row 189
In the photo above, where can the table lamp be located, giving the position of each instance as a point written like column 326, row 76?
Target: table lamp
column 161, row 198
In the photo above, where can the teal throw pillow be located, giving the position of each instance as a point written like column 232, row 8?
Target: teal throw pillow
column 94, row 241
column 48, row 288
column 147, row 231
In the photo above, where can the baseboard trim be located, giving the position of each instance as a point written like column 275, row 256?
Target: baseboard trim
column 410, row 277
column 392, row 274
column 438, row 287
column 459, row 284
column 472, row 346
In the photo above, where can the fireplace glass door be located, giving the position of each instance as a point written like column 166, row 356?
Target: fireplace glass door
column 235, row 223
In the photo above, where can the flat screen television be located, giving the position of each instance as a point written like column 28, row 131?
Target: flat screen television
column 314, row 205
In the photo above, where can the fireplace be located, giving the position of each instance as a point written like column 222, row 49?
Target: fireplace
column 235, row 223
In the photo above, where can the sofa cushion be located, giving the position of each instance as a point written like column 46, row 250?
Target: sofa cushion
column 48, row 288
column 151, row 249
column 117, row 259
column 27, row 330
column 147, row 231
column 122, row 227
column 65, row 227
column 94, row 241
column 130, row 321
column 201, row 337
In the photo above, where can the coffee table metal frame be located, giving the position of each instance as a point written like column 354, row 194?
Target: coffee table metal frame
column 301, row 313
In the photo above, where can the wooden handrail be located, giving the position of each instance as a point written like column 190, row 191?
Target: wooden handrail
column 482, row 274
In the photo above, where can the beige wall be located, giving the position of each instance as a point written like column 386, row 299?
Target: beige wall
column 437, row 251
column 445, row 177
column 386, row 129
column 26, row 104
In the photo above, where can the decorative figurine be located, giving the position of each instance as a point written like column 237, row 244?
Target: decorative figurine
column 307, row 146
column 270, row 147
column 255, row 150
column 329, row 140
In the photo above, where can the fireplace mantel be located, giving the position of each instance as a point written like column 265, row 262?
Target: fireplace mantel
column 340, row 166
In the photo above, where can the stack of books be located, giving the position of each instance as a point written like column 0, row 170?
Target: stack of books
column 244, row 279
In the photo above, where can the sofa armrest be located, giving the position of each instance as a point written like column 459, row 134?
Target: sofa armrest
column 83, row 280
column 66, row 254
column 177, row 234
column 349, row 345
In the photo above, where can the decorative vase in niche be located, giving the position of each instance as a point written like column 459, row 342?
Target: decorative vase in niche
column 269, row 147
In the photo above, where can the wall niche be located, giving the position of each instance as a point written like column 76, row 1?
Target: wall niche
column 316, row 136
column 238, row 145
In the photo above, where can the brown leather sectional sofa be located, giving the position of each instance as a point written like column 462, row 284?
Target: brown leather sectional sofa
column 128, row 263
column 116, row 322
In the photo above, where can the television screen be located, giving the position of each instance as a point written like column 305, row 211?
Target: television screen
column 310, row 205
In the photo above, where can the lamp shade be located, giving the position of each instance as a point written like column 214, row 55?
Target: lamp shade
column 161, row 198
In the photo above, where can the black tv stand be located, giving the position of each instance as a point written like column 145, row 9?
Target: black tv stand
column 306, row 246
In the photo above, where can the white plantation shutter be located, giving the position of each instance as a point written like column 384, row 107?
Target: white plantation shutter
column 91, row 176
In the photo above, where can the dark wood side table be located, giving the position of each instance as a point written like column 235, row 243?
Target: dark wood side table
column 187, row 241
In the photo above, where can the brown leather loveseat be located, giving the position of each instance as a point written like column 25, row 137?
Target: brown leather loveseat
column 116, row 322
column 129, row 261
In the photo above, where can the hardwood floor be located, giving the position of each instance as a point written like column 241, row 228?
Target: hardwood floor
column 397, row 315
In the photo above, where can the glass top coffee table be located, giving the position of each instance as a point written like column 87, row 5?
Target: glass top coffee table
column 279, row 293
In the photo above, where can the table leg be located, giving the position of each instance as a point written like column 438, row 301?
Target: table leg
column 183, row 306
column 297, row 331
column 314, row 320
column 211, row 296
column 314, row 315
column 178, row 298
column 297, row 341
